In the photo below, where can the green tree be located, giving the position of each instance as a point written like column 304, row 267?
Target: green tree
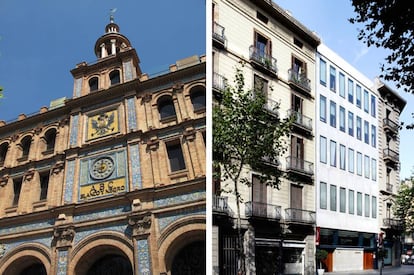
column 404, row 206
column 389, row 24
column 247, row 136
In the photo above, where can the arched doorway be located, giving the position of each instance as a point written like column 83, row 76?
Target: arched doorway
column 190, row 260
column 37, row 268
column 111, row 265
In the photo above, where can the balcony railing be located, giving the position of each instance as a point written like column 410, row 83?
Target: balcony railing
column 219, row 81
column 301, row 120
column 393, row 223
column 263, row 210
column 299, row 165
column 390, row 125
column 299, row 79
column 218, row 33
column 391, row 155
column 220, row 204
column 264, row 60
column 294, row 215
column 271, row 107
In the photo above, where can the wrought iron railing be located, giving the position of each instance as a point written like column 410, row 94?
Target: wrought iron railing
column 393, row 223
column 299, row 79
column 265, row 60
column 263, row 210
column 297, row 164
column 300, row 216
column 219, row 81
column 220, row 204
column 271, row 106
column 300, row 119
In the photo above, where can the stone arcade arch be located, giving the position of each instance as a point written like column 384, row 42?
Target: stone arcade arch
column 26, row 259
column 107, row 249
column 178, row 240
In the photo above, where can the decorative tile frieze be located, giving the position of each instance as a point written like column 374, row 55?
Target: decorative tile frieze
column 62, row 262
column 13, row 229
column 70, row 178
column 166, row 219
column 73, row 140
column 120, row 228
column 128, row 70
column 136, row 166
column 78, row 87
column 104, row 213
column 143, row 257
column 181, row 198
column 132, row 116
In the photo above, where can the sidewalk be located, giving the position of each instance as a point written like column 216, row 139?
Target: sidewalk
column 403, row 270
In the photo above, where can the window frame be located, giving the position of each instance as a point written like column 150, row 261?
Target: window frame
column 332, row 116
column 341, row 84
column 333, row 197
column 342, row 200
column 342, row 157
column 322, row 108
column 323, row 156
column 351, row 205
column 322, row 72
column 332, row 78
column 176, row 162
column 342, row 123
column 323, row 197
column 351, row 160
column 358, row 91
column 350, row 123
column 332, row 153
column 351, row 90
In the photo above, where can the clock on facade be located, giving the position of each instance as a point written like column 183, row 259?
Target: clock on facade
column 102, row 168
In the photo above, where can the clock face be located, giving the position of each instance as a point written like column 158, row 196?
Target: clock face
column 102, row 168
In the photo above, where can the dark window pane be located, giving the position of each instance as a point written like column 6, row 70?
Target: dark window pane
column 175, row 155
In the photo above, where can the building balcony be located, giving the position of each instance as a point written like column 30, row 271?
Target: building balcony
column 220, row 205
column 299, row 168
column 263, row 210
column 301, row 123
column 393, row 224
column 300, row 216
column 219, row 82
column 299, row 82
column 262, row 61
column 271, row 107
column 390, row 127
column 219, row 40
column 391, row 157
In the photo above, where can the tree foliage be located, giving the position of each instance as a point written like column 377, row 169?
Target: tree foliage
column 404, row 206
column 247, row 135
column 389, row 24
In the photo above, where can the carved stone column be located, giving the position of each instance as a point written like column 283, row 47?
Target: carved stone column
column 62, row 239
column 141, row 225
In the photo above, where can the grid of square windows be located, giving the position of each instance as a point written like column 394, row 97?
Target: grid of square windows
column 366, row 205
column 347, row 85
column 365, row 166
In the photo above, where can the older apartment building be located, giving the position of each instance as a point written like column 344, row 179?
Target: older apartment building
column 111, row 181
column 390, row 107
column 279, row 55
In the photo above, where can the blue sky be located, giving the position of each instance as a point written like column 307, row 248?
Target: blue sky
column 41, row 41
column 329, row 19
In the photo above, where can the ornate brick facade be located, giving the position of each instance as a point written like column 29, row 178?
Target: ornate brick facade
column 115, row 174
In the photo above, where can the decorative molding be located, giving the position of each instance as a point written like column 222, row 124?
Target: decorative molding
column 153, row 143
column 63, row 122
column 140, row 223
column 147, row 98
column 2, row 250
column 3, row 180
column 14, row 137
column 58, row 167
column 63, row 236
column 178, row 87
column 166, row 219
column 29, row 174
column 181, row 198
column 189, row 133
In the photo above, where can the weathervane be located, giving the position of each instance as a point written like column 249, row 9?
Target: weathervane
column 111, row 14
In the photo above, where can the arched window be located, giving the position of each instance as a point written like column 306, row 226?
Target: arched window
column 93, row 84
column 3, row 152
column 114, row 77
column 25, row 144
column 166, row 107
column 198, row 98
column 50, row 138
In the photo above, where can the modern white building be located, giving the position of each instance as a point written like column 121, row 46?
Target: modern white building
column 347, row 156
column 279, row 55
